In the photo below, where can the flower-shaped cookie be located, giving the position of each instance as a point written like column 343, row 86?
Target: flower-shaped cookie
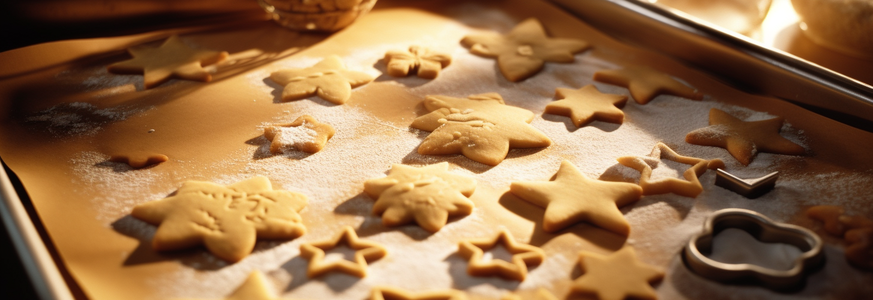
column 522, row 256
column 587, row 104
column 616, row 277
column 645, row 83
column 418, row 60
column 365, row 251
column 305, row 134
column 690, row 187
column 523, row 52
column 225, row 219
column 328, row 79
column 481, row 127
column 427, row 196
column 172, row 59
column 392, row 293
column 743, row 140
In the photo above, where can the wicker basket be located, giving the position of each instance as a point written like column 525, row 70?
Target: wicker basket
column 316, row 15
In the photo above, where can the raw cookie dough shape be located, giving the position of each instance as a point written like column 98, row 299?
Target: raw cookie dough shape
column 645, row 83
column 690, row 187
column 857, row 231
column 139, row 160
column 616, row 276
column 523, row 52
column 542, row 294
column 573, row 197
column 743, row 140
column 587, row 104
column 225, row 219
column 418, row 60
column 172, row 59
column 254, row 288
column 305, row 134
column 522, row 256
column 365, row 251
column 392, row 293
column 328, row 79
column 427, row 196
column 859, row 251
column 481, row 127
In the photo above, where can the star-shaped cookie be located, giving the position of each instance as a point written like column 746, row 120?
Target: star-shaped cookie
column 225, row 219
column 172, row 59
column 425, row 63
column 481, row 127
column 305, row 134
column 616, row 277
column 392, row 293
column 645, row 83
column 542, row 294
column 329, row 79
column 587, row 104
column 254, row 288
column 365, row 251
column 743, row 140
column 573, row 197
column 523, row 52
column 138, row 159
column 522, row 256
column 427, row 196
column 690, row 187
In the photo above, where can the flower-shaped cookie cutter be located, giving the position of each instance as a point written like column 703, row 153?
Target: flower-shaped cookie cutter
column 765, row 230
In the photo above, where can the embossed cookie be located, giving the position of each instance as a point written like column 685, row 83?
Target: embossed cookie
column 365, row 251
column 617, row 276
column 587, row 104
column 419, row 60
column 172, row 59
column 690, row 187
column 645, row 83
column 329, row 79
column 427, row 196
column 743, row 140
column 305, row 134
column 225, row 219
column 522, row 256
column 481, row 127
column 523, row 52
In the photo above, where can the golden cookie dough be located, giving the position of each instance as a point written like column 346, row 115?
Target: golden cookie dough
column 172, row 59
column 254, row 288
column 573, row 197
column 616, row 277
column 857, row 231
column 690, row 187
column 329, row 79
column 743, row 140
column 392, row 293
column 365, row 251
column 419, row 60
column 859, row 251
column 139, row 160
column 427, row 196
column 523, row 52
column 225, row 219
column 481, row 127
column 305, row 134
column 587, row 104
column 522, row 256
column 542, row 294
column 645, row 83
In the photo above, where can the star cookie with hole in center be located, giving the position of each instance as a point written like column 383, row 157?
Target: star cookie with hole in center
column 690, row 187
column 523, row 255
column 365, row 252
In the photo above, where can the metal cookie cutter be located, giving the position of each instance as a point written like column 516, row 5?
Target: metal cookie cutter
column 750, row 188
column 764, row 230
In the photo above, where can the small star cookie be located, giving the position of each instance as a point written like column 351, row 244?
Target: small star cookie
column 616, row 277
column 427, row 196
column 305, row 134
column 645, row 83
column 522, row 256
column 523, row 52
column 481, row 127
column 690, row 187
column 138, row 159
column 392, row 293
column 365, row 251
column 743, row 140
column 587, row 104
column 572, row 197
column 418, row 60
column 225, row 219
column 328, row 79
column 172, row 59
column 254, row 288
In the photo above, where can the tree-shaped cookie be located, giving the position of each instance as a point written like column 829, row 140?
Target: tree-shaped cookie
column 365, row 251
column 690, row 187
column 305, row 134
column 481, row 127
column 645, row 83
column 172, row 59
column 427, row 196
column 743, row 140
column 225, row 219
column 425, row 63
column 618, row 276
column 329, row 79
column 572, row 197
column 522, row 256
column 587, row 104
column 523, row 52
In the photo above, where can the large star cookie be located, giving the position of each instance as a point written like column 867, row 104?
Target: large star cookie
column 365, row 251
column 523, row 52
column 172, row 59
column 587, row 104
column 645, row 83
column 616, row 277
column 328, row 79
column 572, row 197
column 225, row 219
column 427, row 196
column 305, row 134
column 425, row 63
column 690, row 187
column 392, row 293
column 522, row 256
column 743, row 140
column 481, row 127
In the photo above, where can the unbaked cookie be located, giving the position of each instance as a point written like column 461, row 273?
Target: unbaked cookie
column 690, row 187
column 392, row 293
column 419, row 60
column 743, row 140
column 616, row 277
column 329, row 79
column 254, row 288
column 365, row 251
column 587, row 104
column 172, row 59
column 139, row 159
column 305, row 134
column 522, row 256
column 645, row 83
